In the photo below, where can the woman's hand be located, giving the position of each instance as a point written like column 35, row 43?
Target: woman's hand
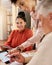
column 17, row 57
column 13, row 50
column 4, row 48
column 17, row 49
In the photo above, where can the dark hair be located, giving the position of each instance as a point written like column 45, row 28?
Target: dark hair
column 21, row 15
column 13, row 1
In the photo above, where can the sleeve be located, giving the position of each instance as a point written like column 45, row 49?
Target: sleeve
column 44, row 52
column 34, row 39
column 8, row 42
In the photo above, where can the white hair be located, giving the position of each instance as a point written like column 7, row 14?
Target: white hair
column 45, row 8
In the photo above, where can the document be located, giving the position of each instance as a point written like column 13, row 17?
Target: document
column 4, row 57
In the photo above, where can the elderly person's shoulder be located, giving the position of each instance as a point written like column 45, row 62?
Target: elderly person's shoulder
column 46, row 40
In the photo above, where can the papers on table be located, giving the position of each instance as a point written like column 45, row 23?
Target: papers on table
column 3, row 57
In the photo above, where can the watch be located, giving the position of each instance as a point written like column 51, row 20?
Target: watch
column 18, row 48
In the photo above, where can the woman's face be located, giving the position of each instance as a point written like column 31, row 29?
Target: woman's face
column 20, row 24
column 25, row 8
column 26, row 5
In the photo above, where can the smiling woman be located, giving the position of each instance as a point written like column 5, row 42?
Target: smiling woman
column 21, row 21
column 17, row 37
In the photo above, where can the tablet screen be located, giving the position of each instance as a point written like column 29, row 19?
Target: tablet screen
column 4, row 57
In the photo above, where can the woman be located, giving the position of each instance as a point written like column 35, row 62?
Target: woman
column 17, row 37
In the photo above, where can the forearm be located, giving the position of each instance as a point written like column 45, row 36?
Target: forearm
column 26, row 44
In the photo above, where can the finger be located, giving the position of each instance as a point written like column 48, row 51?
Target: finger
column 11, row 51
column 15, row 55
column 12, row 59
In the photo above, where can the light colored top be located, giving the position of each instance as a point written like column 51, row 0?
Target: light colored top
column 43, row 56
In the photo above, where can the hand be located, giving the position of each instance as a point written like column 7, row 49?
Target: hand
column 17, row 57
column 14, row 50
column 3, row 47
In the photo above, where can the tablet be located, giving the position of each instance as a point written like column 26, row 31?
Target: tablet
column 3, row 57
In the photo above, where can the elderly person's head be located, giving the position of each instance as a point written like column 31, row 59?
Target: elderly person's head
column 27, row 5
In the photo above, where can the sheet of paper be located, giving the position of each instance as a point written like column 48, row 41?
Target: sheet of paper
column 3, row 57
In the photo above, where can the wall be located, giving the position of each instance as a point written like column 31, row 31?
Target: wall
column 3, row 26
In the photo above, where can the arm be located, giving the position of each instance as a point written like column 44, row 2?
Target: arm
column 29, row 34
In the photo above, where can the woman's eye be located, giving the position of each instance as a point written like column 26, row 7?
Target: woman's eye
column 21, row 3
column 17, row 23
column 20, row 22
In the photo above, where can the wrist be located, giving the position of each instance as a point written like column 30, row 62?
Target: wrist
column 20, row 48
